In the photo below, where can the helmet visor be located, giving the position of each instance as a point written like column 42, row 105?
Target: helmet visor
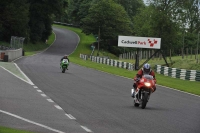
column 146, row 70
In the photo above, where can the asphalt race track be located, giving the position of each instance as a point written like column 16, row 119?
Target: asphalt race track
column 98, row 102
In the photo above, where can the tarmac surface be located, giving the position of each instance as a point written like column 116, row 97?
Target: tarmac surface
column 24, row 106
column 87, row 100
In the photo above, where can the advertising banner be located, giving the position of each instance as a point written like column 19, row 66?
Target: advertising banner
column 139, row 42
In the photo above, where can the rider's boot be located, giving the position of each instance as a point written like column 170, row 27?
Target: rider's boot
column 133, row 91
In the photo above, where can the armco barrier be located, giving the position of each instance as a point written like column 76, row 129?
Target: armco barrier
column 107, row 61
column 192, row 75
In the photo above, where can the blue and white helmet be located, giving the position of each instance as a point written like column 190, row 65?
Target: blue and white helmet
column 146, row 68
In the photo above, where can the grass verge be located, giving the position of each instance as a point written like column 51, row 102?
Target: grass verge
column 84, row 48
column 10, row 130
column 31, row 49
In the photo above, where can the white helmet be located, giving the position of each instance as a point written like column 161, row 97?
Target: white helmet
column 146, row 68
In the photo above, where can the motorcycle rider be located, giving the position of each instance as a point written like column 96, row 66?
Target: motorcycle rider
column 64, row 57
column 145, row 70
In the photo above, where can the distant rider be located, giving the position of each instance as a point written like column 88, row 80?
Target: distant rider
column 64, row 57
column 145, row 70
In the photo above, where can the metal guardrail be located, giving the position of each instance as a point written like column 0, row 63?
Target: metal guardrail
column 192, row 75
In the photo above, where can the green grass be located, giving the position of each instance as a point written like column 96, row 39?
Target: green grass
column 10, row 130
column 85, row 41
column 84, row 48
column 31, row 49
column 186, row 63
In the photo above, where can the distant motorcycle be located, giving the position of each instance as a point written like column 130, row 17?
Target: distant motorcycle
column 64, row 65
column 143, row 91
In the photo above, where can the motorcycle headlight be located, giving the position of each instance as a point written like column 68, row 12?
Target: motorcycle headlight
column 147, row 84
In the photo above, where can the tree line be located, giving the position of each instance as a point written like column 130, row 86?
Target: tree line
column 177, row 22
column 31, row 19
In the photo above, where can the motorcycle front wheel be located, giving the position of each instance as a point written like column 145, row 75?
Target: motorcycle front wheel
column 63, row 70
column 144, row 100
column 135, row 103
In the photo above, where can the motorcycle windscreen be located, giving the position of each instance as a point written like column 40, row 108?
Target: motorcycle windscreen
column 65, row 61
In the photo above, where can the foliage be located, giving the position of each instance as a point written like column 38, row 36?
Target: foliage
column 13, row 19
column 31, row 19
column 177, row 23
column 110, row 17
column 40, row 20
column 186, row 14
column 178, row 84
column 161, row 79
column 108, row 20
column 131, row 7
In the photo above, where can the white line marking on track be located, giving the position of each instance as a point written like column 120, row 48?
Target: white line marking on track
column 156, row 84
column 29, row 81
column 58, row 107
column 86, row 129
column 51, row 101
column 39, row 91
column 16, row 75
column 70, row 116
column 179, row 90
column 43, row 95
column 32, row 122
column 35, row 87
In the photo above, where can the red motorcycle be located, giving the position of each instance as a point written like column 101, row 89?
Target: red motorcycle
column 145, row 86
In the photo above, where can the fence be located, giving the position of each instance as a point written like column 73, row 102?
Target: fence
column 142, row 55
column 16, row 42
column 145, row 54
column 192, row 75
column 107, row 61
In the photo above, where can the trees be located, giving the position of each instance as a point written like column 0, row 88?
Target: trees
column 13, row 19
column 157, row 20
column 110, row 18
column 191, row 21
column 40, row 18
column 31, row 19
column 180, row 19
column 169, row 19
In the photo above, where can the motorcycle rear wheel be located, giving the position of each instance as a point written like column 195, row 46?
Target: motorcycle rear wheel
column 144, row 100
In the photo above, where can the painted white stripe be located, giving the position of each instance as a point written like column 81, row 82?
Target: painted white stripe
column 51, row 101
column 30, row 82
column 86, row 129
column 16, row 75
column 70, row 116
column 43, row 95
column 156, row 84
column 35, row 87
column 58, row 107
column 39, row 90
column 179, row 91
column 32, row 122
